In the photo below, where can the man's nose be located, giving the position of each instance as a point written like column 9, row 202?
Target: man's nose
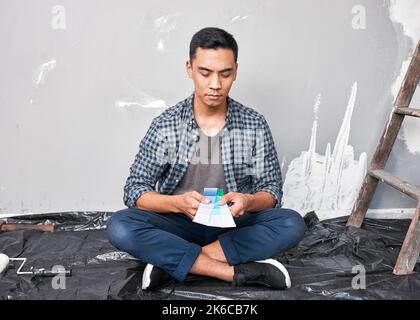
column 215, row 83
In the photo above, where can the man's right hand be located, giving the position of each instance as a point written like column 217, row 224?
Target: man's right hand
column 188, row 203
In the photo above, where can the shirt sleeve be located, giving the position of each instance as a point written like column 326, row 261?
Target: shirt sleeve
column 147, row 167
column 267, row 174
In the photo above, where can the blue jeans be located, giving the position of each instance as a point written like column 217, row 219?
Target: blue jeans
column 173, row 242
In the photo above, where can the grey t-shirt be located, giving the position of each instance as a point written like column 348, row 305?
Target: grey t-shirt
column 206, row 168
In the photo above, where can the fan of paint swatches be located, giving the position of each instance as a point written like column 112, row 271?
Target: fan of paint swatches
column 212, row 214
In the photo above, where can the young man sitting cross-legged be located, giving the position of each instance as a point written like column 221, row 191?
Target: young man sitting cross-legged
column 202, row 142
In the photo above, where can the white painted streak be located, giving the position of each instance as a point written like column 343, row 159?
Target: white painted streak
column 128, row 104
column 140, row 99
column 155, row 104
column 42, row 70
column 238, row 18
column 312, row 143
column 328, row 184
column 165, row 24
column 160, row 45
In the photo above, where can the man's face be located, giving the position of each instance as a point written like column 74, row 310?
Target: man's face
column 213, row 72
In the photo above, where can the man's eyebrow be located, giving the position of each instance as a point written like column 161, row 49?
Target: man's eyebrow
column 209, row 70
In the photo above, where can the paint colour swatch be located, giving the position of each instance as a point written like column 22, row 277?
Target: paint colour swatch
column 212, row 214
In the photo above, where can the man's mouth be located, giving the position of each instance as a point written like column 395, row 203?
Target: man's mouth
column 214, row 96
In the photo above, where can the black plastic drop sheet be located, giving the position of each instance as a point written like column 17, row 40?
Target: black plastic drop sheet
column 323, row 266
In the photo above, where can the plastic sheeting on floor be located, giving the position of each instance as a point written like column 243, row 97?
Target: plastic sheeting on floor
column 320, row 267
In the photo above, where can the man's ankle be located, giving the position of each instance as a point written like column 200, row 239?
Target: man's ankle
column 209, row 267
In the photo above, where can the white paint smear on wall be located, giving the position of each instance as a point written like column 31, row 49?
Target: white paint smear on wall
column 41, row 72
column 329, row 183
column 165, row 24
column 406, row 13
column 239, row 18
column 128, row 104
column 138, row 99
column 160, row 45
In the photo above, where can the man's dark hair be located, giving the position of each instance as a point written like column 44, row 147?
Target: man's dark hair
column 213, row 38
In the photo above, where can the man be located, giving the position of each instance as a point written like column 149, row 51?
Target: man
column 170, row 171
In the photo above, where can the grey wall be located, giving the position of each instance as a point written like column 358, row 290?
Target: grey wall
column 70, row 129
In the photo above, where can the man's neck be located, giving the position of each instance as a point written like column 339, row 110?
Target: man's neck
column 210, row 119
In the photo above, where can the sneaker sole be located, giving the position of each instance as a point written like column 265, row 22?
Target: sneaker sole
column 146, row 276
column 282, row 269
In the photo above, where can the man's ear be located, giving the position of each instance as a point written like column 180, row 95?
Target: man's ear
column 188, row 67
column 236, row 72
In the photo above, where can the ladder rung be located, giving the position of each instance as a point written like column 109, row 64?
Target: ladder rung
column 409, row 189
column 408, row 112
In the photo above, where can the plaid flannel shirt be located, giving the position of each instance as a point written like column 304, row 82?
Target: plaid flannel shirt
column 248, row 153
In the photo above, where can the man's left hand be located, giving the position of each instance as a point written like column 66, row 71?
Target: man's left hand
column 240, row 202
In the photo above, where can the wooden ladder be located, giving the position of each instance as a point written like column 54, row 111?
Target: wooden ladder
column 410, row 249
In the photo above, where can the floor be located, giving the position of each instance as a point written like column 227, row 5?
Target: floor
column 331, row 262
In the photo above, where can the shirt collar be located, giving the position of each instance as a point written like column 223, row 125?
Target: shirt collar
column 190, row 112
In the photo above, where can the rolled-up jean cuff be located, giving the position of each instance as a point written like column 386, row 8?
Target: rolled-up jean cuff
column 229, row 249
column 187, row 262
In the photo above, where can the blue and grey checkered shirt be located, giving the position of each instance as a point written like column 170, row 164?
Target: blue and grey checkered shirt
column 249, row 156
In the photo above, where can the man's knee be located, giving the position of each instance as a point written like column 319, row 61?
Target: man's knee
column 118, row 228
column 297, row 223
column 294, row 224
